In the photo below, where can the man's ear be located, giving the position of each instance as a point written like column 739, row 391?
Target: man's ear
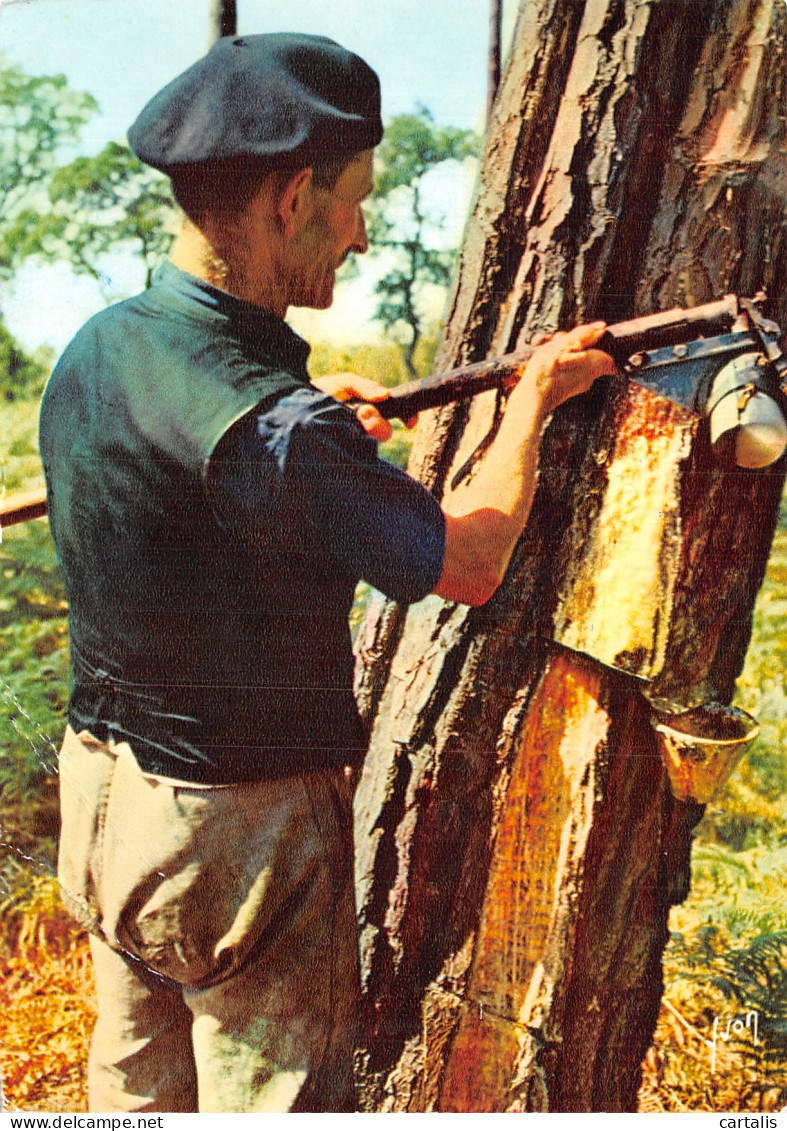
column 293, row 199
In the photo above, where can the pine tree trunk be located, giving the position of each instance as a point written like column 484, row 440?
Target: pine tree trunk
column 223, row 18
column 518, row 844
column 493, row 54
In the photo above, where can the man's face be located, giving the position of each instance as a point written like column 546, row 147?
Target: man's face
column 333, row 228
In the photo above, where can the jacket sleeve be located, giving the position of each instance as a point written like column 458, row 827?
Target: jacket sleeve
column 304, row 471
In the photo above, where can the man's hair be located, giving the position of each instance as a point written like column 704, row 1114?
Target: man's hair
column 226, row 187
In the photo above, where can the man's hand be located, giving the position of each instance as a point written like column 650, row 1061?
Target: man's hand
column 486, row 515
column 564, row 366
column 345, row 386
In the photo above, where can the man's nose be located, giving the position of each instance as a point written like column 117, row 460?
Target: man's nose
column 360, row 239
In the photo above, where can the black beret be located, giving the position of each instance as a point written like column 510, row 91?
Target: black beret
column 285, row 97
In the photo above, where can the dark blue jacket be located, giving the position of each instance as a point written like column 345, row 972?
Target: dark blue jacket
column 218, row 649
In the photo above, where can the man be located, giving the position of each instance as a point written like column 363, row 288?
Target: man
column 213, row 511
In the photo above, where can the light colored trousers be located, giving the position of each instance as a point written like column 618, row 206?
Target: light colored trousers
column 224, row 935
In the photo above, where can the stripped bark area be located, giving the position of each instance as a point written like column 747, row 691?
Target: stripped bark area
column 518, row 847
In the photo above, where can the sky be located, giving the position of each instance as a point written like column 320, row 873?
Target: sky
column 430, row 52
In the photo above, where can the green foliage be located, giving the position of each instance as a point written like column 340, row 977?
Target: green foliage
column 20, row 375
column 727, row 956
column 718, row 979
column 381, row 362
column 38, row 117
column 755, row 977
column 20, row 462
column 404, row 227
column 99, row 206
column 412, row 145
column 33, row 629
column 738, row 893
column 83, row 212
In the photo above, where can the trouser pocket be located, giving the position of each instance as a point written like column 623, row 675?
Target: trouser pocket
column 86, row 769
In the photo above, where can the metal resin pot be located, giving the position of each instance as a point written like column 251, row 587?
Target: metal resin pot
column 747, row 426
column 701, row 747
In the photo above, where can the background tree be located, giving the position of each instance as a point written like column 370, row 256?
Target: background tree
column 87, row 211
column 99, row 207
column 518, row 844
column 20, row 375
column 407, row 226
column 494, row 55
column 223, row 18
column 40, row 117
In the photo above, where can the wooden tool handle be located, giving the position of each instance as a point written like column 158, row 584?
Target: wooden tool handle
column 22, row 506
column 621, row 340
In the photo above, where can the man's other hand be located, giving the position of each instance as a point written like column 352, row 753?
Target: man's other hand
column 345, row 387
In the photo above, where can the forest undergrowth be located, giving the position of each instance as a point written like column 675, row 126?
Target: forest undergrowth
column 727, row 957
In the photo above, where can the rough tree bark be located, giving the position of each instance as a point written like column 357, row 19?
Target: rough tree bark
column 518, row 845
